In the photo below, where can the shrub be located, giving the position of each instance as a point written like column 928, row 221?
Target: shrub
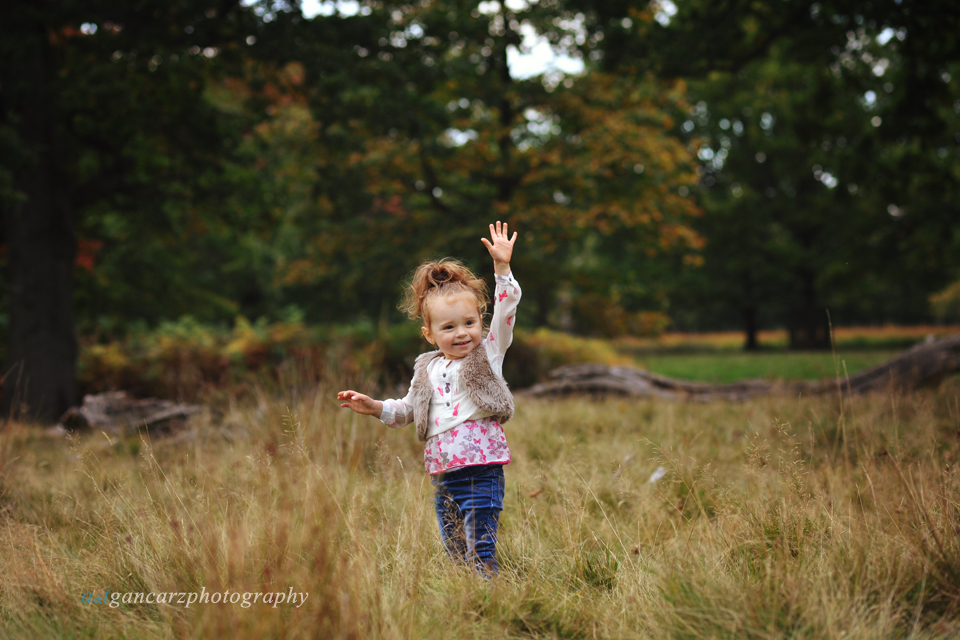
column 946, row 303
column 181, row 359
column 186, row 359
column 593, row 314
column 534, row 354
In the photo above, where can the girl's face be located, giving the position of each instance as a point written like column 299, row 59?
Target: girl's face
column 454, row 324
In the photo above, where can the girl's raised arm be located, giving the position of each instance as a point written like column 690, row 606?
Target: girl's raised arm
column 501, row 249
column 506, row 297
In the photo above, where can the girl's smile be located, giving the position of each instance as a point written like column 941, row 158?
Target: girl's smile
column 454, row 324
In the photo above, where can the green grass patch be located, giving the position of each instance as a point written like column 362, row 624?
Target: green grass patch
column 721, row 367
column 844, row 338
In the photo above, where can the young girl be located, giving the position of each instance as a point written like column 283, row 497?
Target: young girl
column 458, row 397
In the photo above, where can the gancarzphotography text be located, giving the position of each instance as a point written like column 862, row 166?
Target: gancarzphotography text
column 176, row 598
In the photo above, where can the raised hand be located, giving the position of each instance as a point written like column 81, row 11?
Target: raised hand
column 501, row 249
column 360, row 403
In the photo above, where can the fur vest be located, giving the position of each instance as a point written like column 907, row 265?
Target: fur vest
column 486, row 389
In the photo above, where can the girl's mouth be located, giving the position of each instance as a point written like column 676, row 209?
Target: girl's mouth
column 461, row 344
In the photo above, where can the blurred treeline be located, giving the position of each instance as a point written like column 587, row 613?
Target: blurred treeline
column 733, row 165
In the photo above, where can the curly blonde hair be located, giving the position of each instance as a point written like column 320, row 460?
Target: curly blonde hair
column 437, row 278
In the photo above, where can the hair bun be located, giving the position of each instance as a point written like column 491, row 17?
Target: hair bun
column 441, row 275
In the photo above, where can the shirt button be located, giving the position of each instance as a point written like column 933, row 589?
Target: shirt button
column 448, row 404
column 444, row 375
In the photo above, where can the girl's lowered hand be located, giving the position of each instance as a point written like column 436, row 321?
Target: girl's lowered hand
column 501, row 249
column 360, row 403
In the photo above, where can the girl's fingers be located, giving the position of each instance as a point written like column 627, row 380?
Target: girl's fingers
column 497, row 233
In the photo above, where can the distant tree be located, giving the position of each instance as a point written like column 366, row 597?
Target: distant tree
column 827, row 137
column 786, row 230
column 107, row 141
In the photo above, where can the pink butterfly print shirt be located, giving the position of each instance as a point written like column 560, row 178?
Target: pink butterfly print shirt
column 473, row 442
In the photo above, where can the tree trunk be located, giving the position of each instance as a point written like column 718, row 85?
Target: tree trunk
column 41, row 380
column 116, row 413
column 750, row 328
column 808, row 325
column 923, row 365
column 808, row 328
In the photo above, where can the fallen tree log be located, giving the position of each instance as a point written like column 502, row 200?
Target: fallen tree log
column 922, row 365
column 117, row 413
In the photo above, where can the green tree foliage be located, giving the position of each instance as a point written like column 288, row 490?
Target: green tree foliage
column 110, row 146
column 218, row 158
column 946, row 303
column 827, row 133
column 426, row 135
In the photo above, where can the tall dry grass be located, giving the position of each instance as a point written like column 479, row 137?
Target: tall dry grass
column 778, row 518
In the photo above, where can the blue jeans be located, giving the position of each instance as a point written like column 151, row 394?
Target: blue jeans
column 469, row 501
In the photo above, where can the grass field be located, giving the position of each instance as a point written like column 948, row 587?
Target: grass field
column 886, row 337
column 778, row 518
column 768, row 365
column 719, row 357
